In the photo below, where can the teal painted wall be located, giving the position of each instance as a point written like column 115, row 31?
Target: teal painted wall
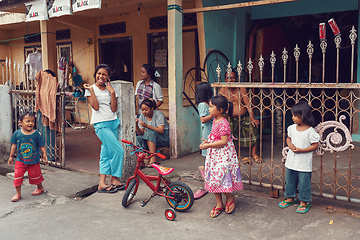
column 303, row 7
column 226, row 31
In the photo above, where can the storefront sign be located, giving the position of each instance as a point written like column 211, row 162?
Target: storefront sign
column 36, row 11
column 57, row 8
column 81, row 5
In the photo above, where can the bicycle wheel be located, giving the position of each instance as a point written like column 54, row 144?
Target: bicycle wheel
column 184, row 197
column 129, row 193
column 170, row 214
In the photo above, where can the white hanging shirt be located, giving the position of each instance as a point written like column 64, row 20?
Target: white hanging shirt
column 35, row 61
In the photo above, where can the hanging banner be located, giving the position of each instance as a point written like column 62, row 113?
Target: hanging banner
column 57, row 8
column 36, row 11
column 81, row 5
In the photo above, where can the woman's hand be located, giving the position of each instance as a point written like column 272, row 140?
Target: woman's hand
column 109, row 87
column 255, row 122
column 87, row 86
column 143, row 124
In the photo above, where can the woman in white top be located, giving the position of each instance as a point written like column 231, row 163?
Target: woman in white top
column 102, row 98
column 148, row 87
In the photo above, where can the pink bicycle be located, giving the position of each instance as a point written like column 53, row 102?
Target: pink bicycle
column 177, row 194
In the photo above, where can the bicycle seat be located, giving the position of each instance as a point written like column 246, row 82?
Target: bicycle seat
column 162, row 170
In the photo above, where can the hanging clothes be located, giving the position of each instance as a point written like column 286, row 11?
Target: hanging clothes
column 35, row 61
column 45, row 99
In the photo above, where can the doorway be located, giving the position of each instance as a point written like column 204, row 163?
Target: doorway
column 117, row 53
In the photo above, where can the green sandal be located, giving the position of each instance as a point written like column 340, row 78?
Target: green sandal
column 307, row 207
column 287, row 204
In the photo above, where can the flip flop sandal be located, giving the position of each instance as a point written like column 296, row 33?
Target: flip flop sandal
column 228, row 207
column 37, row 192
column 217, row 212
column 258, row 160
column 200, row 193
column 307, row 207
column 246, row 160
column 16, row 198
column 119, row 186
column 287, row 204
column 110, row 189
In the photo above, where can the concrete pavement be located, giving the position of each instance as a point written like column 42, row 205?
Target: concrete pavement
column 59, row 214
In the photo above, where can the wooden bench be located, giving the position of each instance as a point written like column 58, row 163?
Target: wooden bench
column 334, row 137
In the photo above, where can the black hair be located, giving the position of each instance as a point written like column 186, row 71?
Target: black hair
column 24, row 113
column 303, row 111
column 222, row 103
column 105, row 66
column 50, row 72
column 203, row 92
column 150, row 71
column 149, row 102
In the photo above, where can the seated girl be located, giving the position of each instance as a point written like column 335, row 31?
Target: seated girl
column 152, row 128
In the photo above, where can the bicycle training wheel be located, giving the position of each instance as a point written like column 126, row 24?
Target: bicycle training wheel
column 184, row 197
column 129, row 193
column 170, row 214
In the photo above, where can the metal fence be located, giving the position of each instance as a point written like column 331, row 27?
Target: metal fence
column 335, row 175
column 22, row 90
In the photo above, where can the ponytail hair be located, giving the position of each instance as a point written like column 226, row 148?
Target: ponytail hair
column 150, row 71
column 149, row 102
column 222, row 103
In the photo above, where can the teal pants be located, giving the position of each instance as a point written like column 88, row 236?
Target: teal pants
column 112, row 153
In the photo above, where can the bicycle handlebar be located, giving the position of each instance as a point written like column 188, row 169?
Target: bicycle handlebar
column 134, row 146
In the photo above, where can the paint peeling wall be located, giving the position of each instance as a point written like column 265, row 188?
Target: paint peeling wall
column 5, row 123
column 126, row 114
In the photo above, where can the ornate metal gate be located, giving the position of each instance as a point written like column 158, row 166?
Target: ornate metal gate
column 335, row 175
column 22, row 90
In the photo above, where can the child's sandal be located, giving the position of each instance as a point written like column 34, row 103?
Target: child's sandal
column 16, row 198
column 216, row 212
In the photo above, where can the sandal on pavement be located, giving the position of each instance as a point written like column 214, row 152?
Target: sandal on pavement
column 37, row 192
column 228, row 207
column 16, row 198
column 246, row 160
column 200, row 193
column 216, row 212
column 258, row 159
column 285, row 204
column 303, row 209
column 110, row 189
column 119, row 186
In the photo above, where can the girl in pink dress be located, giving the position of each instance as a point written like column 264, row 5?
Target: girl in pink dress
column 222, row 172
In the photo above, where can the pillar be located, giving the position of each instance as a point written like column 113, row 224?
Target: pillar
column 175, row 74
column 48, row 45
